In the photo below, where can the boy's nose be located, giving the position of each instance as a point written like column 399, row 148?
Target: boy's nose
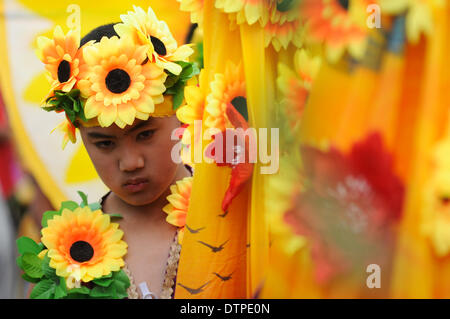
column 131, row 161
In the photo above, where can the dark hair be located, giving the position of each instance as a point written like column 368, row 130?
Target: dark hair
column 98, row 33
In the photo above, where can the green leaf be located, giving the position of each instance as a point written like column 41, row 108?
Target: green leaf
column 70, row 205
column 120, row 290
column 61, row 289
column 47, row 216
column 77, row 296
column 82, row 290
column 122, row 276
column 49, row 272
column 74, row 93
column 95, row 206
column 178, row 98
column 101, row 292
column 32, row 265
column 115, row 216
column 27, row 245
column 29, row 279
column 171, row 80
column 19, row 262
column 103, row 282
column 83, row 198
column 43, row 290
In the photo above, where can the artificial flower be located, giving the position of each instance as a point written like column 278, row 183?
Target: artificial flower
column 227, row 90
column 61, row 57
column 248, row 11
column 339, row 25
column 284, row 25
column 119, row 85
column 84, row 244
column 69, row 131
column 349, row 208
column 189, row 113
column 178, row 206
column 145, row 29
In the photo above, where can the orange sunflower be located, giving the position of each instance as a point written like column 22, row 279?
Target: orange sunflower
column 179, row 204
column 119, row 85
column 340, row 25
column 192, row 111
column 69, row 131
column 249, row 11
column 61, row 58
column 284, row 26
column 145, row 29
column 226, row 89
column 83, row 245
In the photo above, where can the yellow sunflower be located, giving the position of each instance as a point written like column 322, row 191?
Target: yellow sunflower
column 195, row 7
column 284, row 25
column 145, row 29
column 83, row 244
column 340, row 25
column 192, row 111
column 227, row 89
column 249, row 11
column 61, row 58
column 69, row 131
column 119, row 85
column 419, row 16
column 179, row 204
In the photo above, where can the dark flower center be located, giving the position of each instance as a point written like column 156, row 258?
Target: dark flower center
column 344, row 4
column 445, row 200
column 158, row 45
column 285, row 5
column 81, row 251
column 117, row 81
column 63, row 71
column 240, row 104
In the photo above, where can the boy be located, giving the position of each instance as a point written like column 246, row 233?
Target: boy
column 128, row 139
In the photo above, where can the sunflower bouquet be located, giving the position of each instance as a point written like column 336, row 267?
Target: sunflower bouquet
column 80, row 255
column 137, row 73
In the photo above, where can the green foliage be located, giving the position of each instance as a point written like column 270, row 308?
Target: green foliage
column 27, row 245
column 47, row 216
column 70, row 205
column 32, row 265
column 69, row 102
column 84, row 200
column 175, row 83
column 44, row 289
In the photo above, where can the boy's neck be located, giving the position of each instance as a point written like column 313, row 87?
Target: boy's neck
column 152, row 212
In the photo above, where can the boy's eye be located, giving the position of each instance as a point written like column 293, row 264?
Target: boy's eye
column 145, row 134
column 104, row 144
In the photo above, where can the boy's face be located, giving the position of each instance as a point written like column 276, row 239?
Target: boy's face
column 134, row 162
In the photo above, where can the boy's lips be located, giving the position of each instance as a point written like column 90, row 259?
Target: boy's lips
column 135, row 184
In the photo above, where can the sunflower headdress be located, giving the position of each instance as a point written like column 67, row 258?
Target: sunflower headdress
column 137, row 73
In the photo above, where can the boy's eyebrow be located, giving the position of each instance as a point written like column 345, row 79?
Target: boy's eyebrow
column 140, row 125
column 99, row 135
column 135, row 128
